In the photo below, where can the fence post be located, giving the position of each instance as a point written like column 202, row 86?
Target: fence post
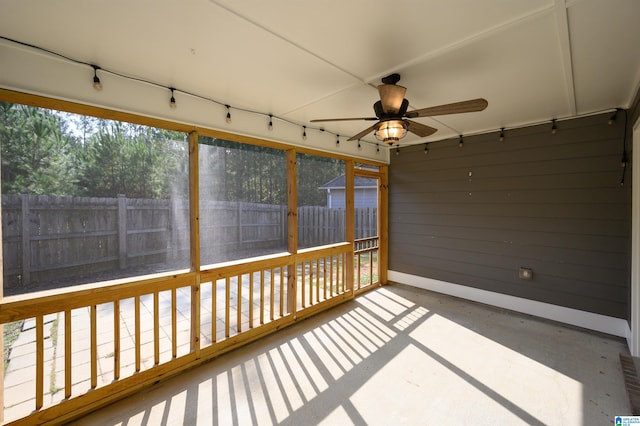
column 122, row 231
column 239, row 222
column 26, row 240
column 173, row 224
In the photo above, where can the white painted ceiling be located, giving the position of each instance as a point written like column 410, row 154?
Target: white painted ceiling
column 533, row 60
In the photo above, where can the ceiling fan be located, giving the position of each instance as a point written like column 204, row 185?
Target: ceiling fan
column 393, row 118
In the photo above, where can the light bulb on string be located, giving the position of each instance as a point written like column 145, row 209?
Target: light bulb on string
column 377, row 148
column 554, row 128
column 270, row 125
column 172, row 101
column 426, row 148
column 359, row 146
column 304, row 133
column 228, row 119
column 461, row 142
column 613, row 117
column 398, row 151
column 625, row 159
column 337, row 140
column 501, row 138
column 97, row 84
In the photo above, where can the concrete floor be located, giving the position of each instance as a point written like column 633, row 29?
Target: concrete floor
column 397, row 355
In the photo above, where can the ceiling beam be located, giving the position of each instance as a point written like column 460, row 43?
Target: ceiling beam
column 564, row 41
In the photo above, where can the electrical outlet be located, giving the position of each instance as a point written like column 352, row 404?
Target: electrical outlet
column 525, row 273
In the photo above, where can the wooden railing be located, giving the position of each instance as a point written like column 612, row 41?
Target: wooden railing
column 98, row 343
column 366, row 252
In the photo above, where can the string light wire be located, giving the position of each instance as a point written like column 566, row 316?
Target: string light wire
column 95, row 67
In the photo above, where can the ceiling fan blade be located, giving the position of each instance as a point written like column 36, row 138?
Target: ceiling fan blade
column 344, row 119
column 391, row 97
column 420, row 129
column 363, row 133
column 472, row 105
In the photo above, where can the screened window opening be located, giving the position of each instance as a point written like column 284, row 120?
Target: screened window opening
column 321, row 200
column 243, row 200
column 88, row 199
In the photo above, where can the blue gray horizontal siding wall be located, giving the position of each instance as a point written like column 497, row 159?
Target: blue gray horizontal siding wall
column 552, row 203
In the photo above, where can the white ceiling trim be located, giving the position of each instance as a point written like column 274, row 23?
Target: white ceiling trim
column 565, row 48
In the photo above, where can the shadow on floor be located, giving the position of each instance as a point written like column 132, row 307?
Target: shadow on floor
column 397, row 355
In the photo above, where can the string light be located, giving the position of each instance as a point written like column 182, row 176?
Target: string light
column 461, row 142
column 172, row 101
column 426, row 148
column 501, row 134
column 337, row 140
column 625, row 157
column 359, row 146
column 304, row 133
column 554, row 128
column 97, row 84
column 228, row 119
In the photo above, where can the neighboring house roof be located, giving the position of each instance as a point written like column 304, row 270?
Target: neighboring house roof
column 359, row 182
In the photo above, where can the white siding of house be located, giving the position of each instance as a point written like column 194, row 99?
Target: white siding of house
column 364, row 197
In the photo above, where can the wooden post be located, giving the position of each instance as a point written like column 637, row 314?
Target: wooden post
column 383, row 225
column 194, row 245
column 26, row 241
column 1, row 325
column 292, row 227
column 122, row 231
column 350, row 225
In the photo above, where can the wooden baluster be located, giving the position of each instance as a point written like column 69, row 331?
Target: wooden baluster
column 239, row 319
column 214, row 313
column 138, row 343
column 39, row 361
column 324, row 274
column 317, row 280
column 227, row 303
column 251, row 300
column 67, row 353
column 311, row 283
column 302, row 287
column 262, row 297
column 331, row 260
column 174, row 324
column 156, row 329
column 271, row 295
column 116, row 339
column 359, row 260
column 281, row 291
column 370, row 267
column 94, row 346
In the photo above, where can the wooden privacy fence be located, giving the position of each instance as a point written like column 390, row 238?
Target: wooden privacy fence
column 50, row 237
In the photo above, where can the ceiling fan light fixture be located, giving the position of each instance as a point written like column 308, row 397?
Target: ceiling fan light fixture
column 391, row 131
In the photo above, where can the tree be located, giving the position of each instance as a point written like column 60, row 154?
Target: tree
column 313, row 172
column 37, row 155
column 137, row 161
